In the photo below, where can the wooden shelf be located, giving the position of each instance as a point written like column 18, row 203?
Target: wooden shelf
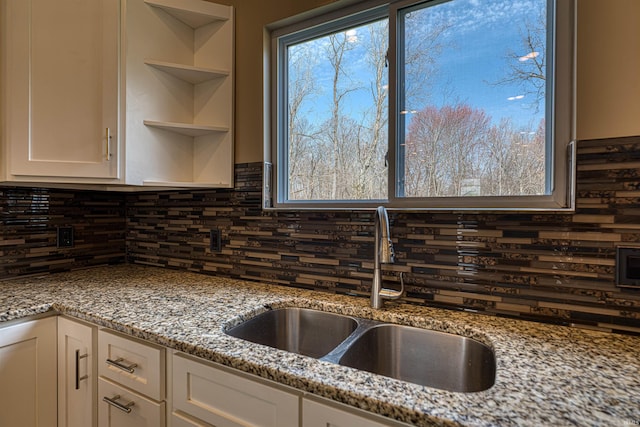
column 188, row 73
column 186, row 128
column 185, row 184
column 194, row 13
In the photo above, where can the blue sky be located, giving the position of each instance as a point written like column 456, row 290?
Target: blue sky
column 479, row 37
column 482, row 33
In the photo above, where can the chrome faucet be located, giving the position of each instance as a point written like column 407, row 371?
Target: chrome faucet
column 384, row 254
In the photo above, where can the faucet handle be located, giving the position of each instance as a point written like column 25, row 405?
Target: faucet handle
column 387, row 253
column 392, row 251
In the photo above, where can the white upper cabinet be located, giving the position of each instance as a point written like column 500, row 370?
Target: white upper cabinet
column 60, row 89
column 129, row 92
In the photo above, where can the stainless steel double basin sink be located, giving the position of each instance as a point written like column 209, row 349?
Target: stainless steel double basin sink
column 425, row 357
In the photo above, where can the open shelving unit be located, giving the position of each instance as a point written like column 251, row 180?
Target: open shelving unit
column 180, row 78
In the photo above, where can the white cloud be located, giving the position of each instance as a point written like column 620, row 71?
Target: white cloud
column 476, row 13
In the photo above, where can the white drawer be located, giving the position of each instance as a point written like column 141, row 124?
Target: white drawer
column 224, row 399
column 134, row 364
column 143, row 412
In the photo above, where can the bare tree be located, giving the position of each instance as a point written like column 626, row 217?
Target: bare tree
column 527, row 66
column 514, row 161
column 443, row 149
column 422, row 48
column 339, row 44
column 371, row 178
column 344, row 155
column 300, row 132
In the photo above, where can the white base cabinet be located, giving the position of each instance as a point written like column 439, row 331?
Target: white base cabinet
column 28, row 374
column 131, row 387
column 134, row 385
column 224, row 399
column 77, row 343
column 206, row 394
column 179, row 419
column 317, row 414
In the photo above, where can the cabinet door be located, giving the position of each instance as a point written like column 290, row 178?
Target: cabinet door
column 61, row 88
column 228, row 400
column 316, row 414
column 28, row 374
column 179, row 419
column 76, row 374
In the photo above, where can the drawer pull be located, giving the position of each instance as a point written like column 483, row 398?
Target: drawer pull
column 78, row 377
column 118, row 364
column 114, row 402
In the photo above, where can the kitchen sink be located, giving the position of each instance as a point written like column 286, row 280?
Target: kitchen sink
column 421, row 356
column 430, row 358
column 298, row 330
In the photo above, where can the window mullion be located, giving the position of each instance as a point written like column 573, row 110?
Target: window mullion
column 393, row 181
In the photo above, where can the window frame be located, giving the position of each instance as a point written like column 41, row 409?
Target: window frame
column 560, row 115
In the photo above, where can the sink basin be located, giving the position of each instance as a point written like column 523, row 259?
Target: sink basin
column 421, row 356
column 298, row 330
column 430, row 358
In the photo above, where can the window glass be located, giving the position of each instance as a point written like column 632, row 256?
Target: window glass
column 422, row 105
column 337, row 114
column 472, row 99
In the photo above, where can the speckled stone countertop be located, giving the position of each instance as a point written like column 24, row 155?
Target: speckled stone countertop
column 546, row 375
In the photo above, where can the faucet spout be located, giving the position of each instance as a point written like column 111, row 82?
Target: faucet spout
column 384, row 249
column 384, row 254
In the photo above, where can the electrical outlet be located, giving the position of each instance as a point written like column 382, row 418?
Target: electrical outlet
column 64, row 237
column 215, row 240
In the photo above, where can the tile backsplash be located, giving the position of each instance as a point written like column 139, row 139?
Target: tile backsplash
column 556, row 268
column 29, row 218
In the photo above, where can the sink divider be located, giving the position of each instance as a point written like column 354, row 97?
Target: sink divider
column 363, row 326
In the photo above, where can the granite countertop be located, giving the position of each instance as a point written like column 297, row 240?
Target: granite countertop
column 546, row 375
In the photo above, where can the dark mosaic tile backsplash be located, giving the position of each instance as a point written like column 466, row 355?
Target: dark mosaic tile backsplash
column 28, row 223
column 556, row 268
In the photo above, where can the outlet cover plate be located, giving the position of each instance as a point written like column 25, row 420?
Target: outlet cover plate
column 215, row 240
column 64, row 237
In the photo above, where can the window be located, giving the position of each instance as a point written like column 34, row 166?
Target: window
column 425, row 105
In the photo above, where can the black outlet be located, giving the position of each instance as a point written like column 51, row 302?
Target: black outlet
column 628, row 267
column 215, row 240
column 65, row 237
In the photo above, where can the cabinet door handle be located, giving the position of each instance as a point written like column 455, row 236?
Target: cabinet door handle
column 78, row 377
column 113, row 401
column 118, row 364
column 108, row 138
